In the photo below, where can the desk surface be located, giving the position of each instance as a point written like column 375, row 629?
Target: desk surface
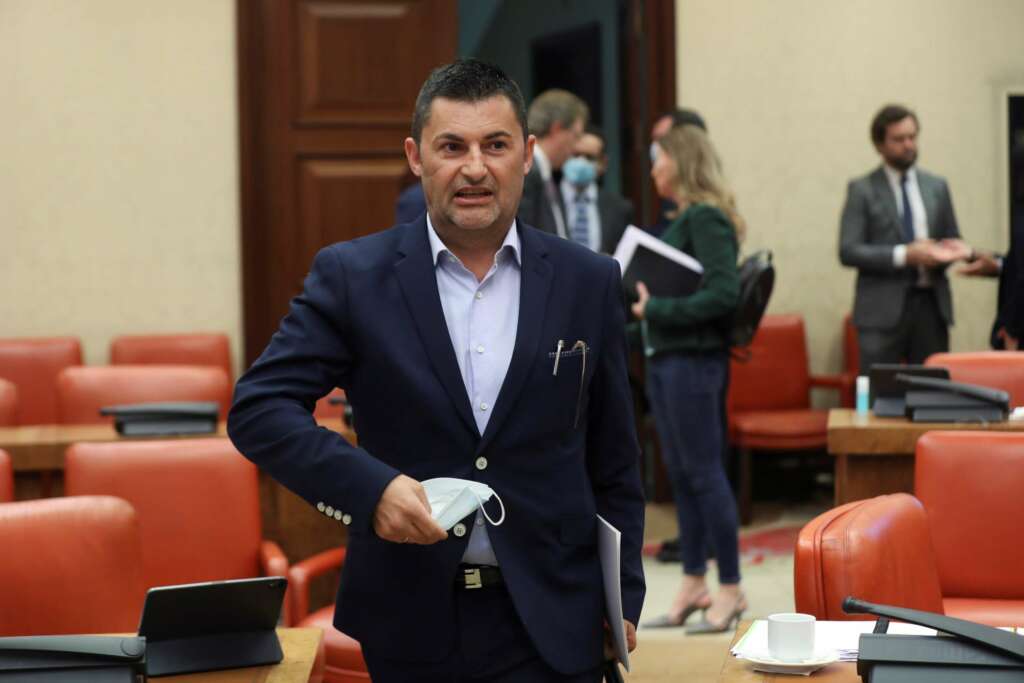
column 41, row 447
column 739, row 671
column 300, row 646
column 853, row 434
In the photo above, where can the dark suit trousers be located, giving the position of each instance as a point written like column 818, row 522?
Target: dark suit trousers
column 492, row 646
column 921, row 332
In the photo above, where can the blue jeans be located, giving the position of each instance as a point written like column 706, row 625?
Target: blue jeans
column 686, row 394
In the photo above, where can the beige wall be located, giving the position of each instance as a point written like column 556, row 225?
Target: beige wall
column 789, row 88
column 118, row 169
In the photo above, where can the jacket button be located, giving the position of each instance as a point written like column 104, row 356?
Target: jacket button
column 329, row 511
column 346, row 519
column 459, row 529
column 320, row 506
column 337, row 515
column 481, row 463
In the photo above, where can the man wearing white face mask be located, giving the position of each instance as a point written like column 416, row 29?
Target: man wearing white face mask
column 597, row 217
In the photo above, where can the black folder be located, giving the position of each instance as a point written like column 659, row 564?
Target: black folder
column 661, row 275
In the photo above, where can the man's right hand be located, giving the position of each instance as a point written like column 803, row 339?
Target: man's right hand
column 922, row 253
column 403, row 514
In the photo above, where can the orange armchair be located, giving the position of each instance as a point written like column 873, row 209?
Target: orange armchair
column 769, row 398
column 8, row 403
column 32, row 366
column 343, row 656
column 999, row 369
column 197, row 502
column 954, row 548
column 71, row 565
column 82, row 391
column 172, row 349
column 6, row 478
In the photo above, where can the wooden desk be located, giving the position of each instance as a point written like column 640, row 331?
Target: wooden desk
column 875, row 455
column 300, row 646
column 287, row 519
column 739, row 671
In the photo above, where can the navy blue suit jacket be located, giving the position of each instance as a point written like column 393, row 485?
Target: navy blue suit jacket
column 369, row 320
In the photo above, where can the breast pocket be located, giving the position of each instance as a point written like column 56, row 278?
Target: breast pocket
column 569, row 380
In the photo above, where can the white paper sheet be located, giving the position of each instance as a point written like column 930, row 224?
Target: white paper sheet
column 839, row 636
column 634, row 236
column 609, row 541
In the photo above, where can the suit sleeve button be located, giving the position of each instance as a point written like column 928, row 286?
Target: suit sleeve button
column 346, row 519
column 320, row 506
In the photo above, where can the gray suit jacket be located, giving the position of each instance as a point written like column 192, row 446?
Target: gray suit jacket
column 869, row 229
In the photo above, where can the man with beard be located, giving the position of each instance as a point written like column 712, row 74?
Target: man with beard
column 899, row 231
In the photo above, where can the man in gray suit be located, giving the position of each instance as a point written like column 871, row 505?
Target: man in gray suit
column 899, row 231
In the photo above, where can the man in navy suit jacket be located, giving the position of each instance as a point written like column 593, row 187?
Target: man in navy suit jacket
column 410, row 322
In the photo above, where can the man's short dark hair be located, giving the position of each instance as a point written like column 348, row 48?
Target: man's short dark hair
column 686, row 117
column 466, row 80
column 888, row 115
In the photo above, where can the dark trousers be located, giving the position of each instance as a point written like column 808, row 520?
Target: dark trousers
column 686, row 396
column 920, row 332
column 492, row 645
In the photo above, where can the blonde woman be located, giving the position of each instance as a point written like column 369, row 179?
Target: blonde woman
column 685, row 342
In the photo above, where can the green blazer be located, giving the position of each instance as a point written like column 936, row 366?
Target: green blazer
column 699, row 322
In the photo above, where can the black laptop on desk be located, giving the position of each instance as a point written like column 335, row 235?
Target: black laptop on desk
column 888, row 395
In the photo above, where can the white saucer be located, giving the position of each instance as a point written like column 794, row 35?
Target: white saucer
column 766, row 663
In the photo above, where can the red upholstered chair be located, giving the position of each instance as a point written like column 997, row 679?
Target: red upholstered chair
column 971, row 485
column 999, row 369
column 325, row 409
column 8, row 403
column 770, row 398
column 32, row 365
column 82, row 391
column 197, row 502
column 953, row 549
column 6, row 478
column 344, row 657
column 71, row 565
column 172, row 349
column 877, row 549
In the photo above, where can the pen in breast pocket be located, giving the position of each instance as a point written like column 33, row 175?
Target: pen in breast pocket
column 558, row 355
column 582, row 345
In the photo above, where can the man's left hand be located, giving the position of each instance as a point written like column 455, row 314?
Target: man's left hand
column 609, row 651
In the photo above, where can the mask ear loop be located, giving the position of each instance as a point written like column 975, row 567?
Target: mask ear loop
column 483, row 509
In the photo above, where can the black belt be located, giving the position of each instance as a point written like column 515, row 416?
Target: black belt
column 478, row 576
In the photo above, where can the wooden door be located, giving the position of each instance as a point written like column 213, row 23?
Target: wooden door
column 326, row 90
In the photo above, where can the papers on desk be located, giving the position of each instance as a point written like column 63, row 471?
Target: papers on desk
column 829, row 636
column 609, row 541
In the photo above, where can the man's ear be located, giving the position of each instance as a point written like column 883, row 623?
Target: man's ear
column 412, row 153
column 531, row 140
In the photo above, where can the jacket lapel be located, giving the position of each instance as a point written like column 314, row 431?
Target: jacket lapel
column 883, row 192
column 416, row 276
column 535, row 285
column 927, row 189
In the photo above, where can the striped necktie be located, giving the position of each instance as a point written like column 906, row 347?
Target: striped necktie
column 581, row 224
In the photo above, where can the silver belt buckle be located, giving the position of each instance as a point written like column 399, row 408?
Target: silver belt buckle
column 472, row 578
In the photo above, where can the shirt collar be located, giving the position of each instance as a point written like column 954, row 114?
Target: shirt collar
column 896, row 177
column 542, row 161
column 510, row 243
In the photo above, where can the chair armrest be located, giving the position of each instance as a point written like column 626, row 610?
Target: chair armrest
column 273, row 562
column 302, row 573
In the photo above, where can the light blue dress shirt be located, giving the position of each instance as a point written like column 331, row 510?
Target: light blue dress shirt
column 482, row 318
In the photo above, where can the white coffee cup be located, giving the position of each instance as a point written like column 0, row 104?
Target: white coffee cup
column 791, row 636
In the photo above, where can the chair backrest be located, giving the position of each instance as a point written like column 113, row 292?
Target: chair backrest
column 999, row 369
column 197, row 501
column 8, row 403
column 71, row 565
column 324, row 408
column 971, row 484
column 82, row 391
column 877, row 550
column 776, row 375
column 172, row 349
column 6, row 478
column 32, row 365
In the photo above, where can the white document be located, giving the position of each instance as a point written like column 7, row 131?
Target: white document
column 634, row 236
column 609, row 541
column 830, row 636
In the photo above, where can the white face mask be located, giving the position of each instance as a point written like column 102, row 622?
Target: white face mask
column 454, row 499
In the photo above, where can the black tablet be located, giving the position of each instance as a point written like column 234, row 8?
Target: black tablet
column 209, row 626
